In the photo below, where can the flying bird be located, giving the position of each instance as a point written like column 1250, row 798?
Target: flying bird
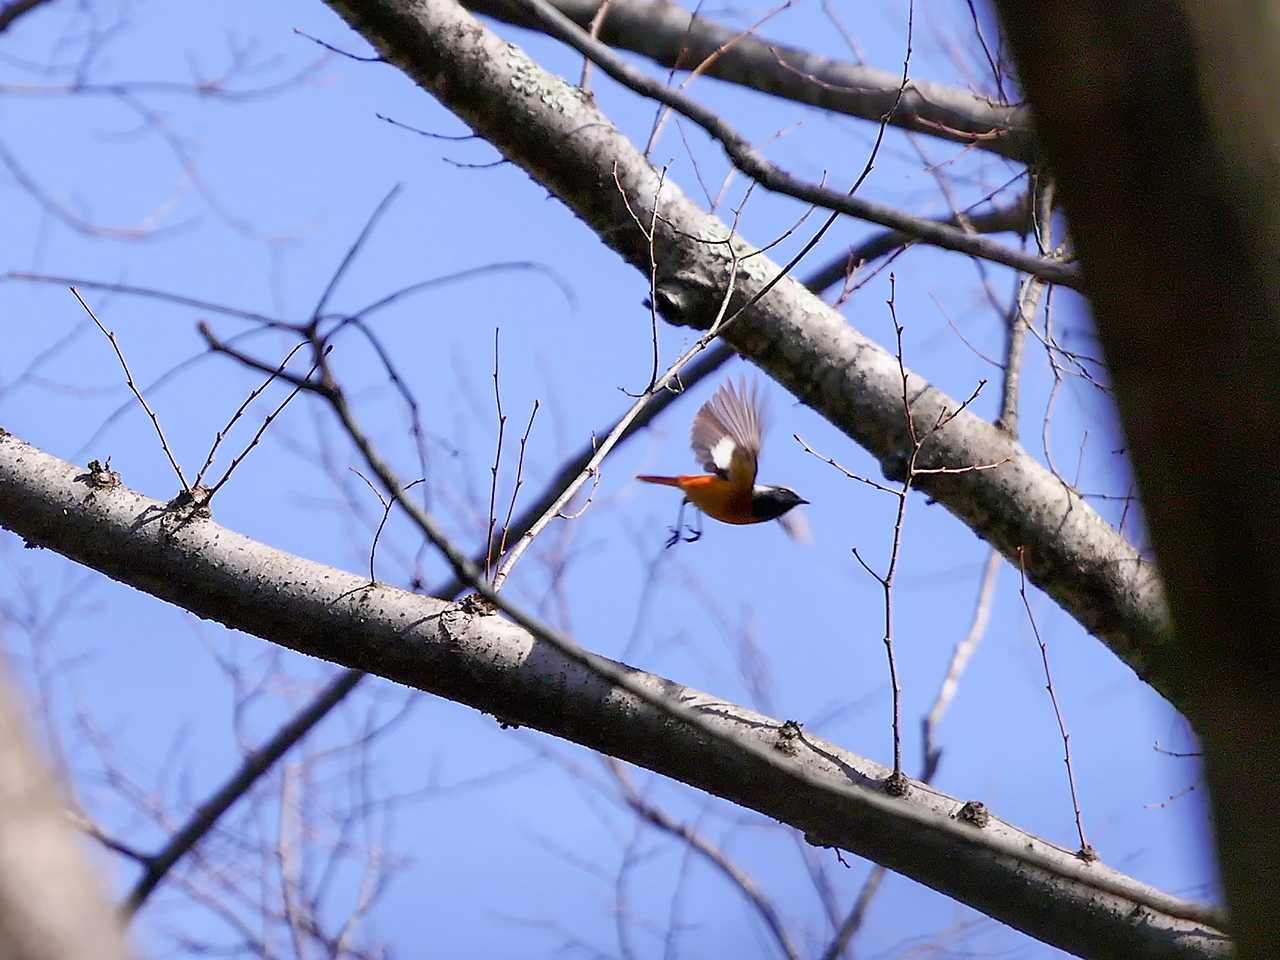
column 727, row 434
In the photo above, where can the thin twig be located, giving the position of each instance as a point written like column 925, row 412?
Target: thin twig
column 454, row 137
column 128, row 378
column 897, row 783
column 1194, row 754
column 991, row 61
column 150, row 293
column 657, row 817
column 386, row 512
column 261, row 430
column 217, row 345
column 515, row 492
column 253, row 395
column 660, row 383
column 91, row 829
column 843, row 469
column 350, row 255
column 660, row 119
column 650, row 233
column 497, row 463
column 1086, row 851
column 597, row 22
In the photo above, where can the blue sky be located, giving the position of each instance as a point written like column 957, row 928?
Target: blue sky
column 254, row 202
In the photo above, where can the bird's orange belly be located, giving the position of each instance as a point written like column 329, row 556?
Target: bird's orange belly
column 721, row 501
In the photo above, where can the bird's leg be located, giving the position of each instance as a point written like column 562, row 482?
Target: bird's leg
column 695, row 534
column 677, row 532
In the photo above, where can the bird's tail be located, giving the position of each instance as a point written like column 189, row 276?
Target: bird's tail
column 665, row 481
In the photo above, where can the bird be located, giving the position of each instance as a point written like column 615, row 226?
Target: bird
column 727, row 434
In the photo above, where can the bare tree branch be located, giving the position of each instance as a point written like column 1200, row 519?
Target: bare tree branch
column 669, row 35
column 457, row 652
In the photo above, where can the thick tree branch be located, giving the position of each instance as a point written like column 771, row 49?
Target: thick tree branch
column 457, row 652
column 545, row 125
column 667, row 34
column 1179, row 226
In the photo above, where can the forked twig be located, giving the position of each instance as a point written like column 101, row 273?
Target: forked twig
column 664, row 111
column 386, row 512
column 266, row 422
column 253, row 395
column 515, row 491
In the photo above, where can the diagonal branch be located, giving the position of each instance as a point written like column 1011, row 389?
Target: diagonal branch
column 669, row 35
column 753, row 163
column 458, row 652
column 539, row 121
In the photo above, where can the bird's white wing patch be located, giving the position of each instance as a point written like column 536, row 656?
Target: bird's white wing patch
column 729, row 428
column 721, row 452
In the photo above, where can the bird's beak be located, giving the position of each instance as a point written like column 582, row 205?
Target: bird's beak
column 803, row 500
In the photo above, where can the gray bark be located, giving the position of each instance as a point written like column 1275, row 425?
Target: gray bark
column 458, row 652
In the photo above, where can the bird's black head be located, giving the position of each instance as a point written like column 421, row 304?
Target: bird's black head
column 769, row 503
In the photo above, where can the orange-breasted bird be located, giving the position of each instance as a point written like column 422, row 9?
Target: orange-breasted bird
column 727, row 434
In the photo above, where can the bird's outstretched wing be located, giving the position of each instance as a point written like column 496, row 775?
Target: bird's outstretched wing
column 727, row 433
